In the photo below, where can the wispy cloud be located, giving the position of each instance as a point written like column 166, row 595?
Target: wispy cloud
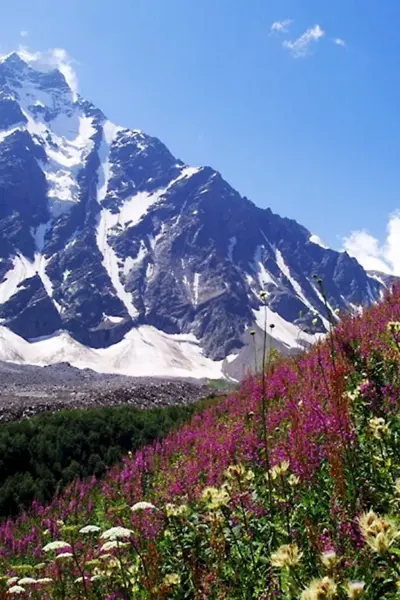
column 301, row 46
column 54, row 58
column 373, row 255
column 339, row 42
column 281, row 26
column 24, row 33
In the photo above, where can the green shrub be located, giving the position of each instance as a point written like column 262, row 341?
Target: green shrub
column 45, row 453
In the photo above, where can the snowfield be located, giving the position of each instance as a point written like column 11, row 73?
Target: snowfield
column 143, row 352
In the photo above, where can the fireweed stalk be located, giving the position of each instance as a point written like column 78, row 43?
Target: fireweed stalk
column 264, row 404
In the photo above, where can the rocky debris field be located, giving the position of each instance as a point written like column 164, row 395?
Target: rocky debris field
column 27, row 390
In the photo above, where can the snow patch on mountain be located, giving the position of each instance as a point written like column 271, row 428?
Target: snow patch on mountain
column 144, row 351
column 7, row 132
column 23, row 269
column 295, row 284
column 196, row 287
column 279, row 329
column 264, row 277
column 20, row 270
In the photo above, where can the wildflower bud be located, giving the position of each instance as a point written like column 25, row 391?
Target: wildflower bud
column 279, row 469
column 172, row 579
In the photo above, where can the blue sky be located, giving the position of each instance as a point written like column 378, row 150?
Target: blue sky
column 305, row 125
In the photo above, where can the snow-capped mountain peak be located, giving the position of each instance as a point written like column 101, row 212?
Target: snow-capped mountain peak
column 104, row 234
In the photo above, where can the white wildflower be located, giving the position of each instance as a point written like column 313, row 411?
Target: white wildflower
column 90, row 529
column 64, row 555
column 117, row 533
column 16, row 589
column 142, row 506
column 113, row 544
column 57, row 545
column 27, row 581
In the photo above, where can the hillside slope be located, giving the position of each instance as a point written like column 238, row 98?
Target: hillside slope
column 265, row 495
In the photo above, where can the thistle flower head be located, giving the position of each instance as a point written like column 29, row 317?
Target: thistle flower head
column 393, row 327
column 286, row 556
column 378, row 427
column 378, row 533
column 235, row 472
column 320, row 589
column 174, row 510
column 355, row 589
column 329, row 559
column 215, row 497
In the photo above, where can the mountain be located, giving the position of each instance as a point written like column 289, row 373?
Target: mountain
column 115, row 254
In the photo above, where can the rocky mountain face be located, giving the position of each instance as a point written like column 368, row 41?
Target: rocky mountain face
column 103, row 231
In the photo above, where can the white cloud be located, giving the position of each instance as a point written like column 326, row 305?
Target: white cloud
column 301, row 47
column 54, row 58
column 281, row 26
column 24, row 33
column 340, row 42
column 373, row 255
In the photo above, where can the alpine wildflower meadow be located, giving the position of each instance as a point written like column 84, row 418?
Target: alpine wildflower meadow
column 289, row 488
